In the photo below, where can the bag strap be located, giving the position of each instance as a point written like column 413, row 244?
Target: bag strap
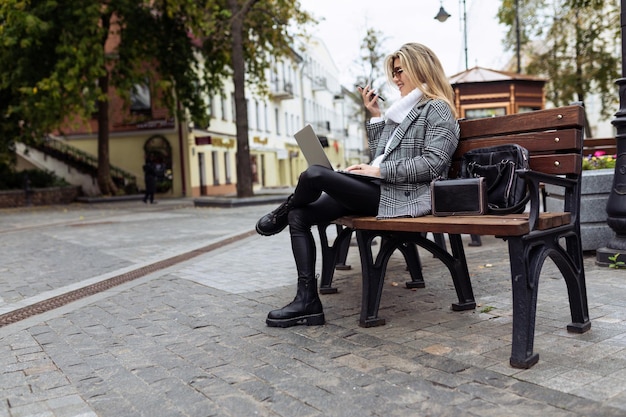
column 501, row 167
column 513, row 209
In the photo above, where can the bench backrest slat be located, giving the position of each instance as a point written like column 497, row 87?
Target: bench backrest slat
column 553, row 137
column 559, row 118
column 608, row 145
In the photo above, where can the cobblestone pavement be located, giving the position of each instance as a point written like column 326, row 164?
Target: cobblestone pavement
column 190, row 339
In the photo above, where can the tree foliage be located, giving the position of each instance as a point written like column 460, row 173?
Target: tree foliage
column 371, row 61
column 58, row 60
column 42, row 64
column 372, row 56
column 248, row 35
column 573, row 43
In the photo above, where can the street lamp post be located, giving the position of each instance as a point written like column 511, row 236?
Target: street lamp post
column 616, row 206
column 442, row 16
column 517, row 38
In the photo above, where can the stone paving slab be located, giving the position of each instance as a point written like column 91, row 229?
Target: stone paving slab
column 44, row 249
column 191, row 340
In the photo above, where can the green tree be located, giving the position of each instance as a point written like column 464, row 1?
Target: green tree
column 255, row 33
column 370, row 64
column 369, row 70
column 370, row 61
column 54, row 65
column 371, row 56
column 573, row 43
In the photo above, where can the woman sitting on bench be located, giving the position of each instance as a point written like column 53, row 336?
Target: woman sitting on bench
column 412, row 145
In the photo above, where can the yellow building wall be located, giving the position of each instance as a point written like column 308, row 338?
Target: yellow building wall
column 126, row 151
column 226, row 181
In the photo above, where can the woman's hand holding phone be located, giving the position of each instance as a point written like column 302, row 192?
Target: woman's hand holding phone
column 370, row 100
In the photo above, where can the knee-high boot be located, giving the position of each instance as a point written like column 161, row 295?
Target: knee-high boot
column 306, row 308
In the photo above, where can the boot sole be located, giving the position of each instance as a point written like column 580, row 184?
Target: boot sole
column 262, row 233
column 310, row 320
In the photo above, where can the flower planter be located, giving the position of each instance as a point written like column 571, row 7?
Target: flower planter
column 595, row 189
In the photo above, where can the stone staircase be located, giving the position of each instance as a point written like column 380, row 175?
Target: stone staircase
column 74, row 165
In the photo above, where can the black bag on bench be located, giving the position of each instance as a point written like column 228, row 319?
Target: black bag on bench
column 458, row 197
column 506, row 191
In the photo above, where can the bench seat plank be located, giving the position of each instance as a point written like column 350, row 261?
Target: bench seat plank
column 497, row 225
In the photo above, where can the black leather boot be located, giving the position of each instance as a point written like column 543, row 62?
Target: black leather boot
column 275, row 221
column 306, row 308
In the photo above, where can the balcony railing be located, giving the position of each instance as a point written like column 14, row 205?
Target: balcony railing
column 282, row 90
column 318, row 83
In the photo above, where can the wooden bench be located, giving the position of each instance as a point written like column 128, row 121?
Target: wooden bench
column 606, row 145
column 554, row 139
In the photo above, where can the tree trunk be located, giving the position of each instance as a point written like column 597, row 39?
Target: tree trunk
column 106, row 184
column 244, row 168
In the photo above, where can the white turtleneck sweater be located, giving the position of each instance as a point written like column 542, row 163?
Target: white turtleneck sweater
column 396, row 114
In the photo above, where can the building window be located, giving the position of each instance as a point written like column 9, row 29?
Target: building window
column 212, row 110
column 233, row 109
column 485, row 112
column 526, row 109
column 223, row 104
column 228, row 168
column 276, row 116
column 140, row 99
column 216, row 167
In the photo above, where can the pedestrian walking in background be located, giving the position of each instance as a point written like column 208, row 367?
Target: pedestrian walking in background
column 149, row 173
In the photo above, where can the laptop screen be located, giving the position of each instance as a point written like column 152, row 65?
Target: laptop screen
column 311, row 147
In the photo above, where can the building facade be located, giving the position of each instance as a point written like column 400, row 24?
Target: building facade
column 196, row 161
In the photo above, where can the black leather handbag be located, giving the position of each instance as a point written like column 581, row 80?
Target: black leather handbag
column 506, row 190
column 458, row 197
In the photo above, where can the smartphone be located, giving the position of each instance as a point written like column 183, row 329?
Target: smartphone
column 376, row 94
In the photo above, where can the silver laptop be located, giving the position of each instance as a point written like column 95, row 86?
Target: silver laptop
column 314, row 154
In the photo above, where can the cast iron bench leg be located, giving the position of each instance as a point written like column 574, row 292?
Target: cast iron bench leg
column 413, row 264
column 343, row 251
column 527, row 256
column 440, row 240
column 373, row 276
column 524, row 281
column 460, row 275
column 330, row 254
column 576, row 286
column 373, row 269
column 334, row 257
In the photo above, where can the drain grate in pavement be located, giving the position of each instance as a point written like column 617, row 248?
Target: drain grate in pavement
column 63, row 299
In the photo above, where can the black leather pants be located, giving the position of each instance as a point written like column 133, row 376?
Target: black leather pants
column 321, row 196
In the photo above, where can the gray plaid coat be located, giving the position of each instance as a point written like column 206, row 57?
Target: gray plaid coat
column 420, row 151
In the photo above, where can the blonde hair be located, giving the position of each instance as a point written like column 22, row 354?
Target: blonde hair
column 422, row 67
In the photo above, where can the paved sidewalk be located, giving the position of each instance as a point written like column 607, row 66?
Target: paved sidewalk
column 190, row 339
